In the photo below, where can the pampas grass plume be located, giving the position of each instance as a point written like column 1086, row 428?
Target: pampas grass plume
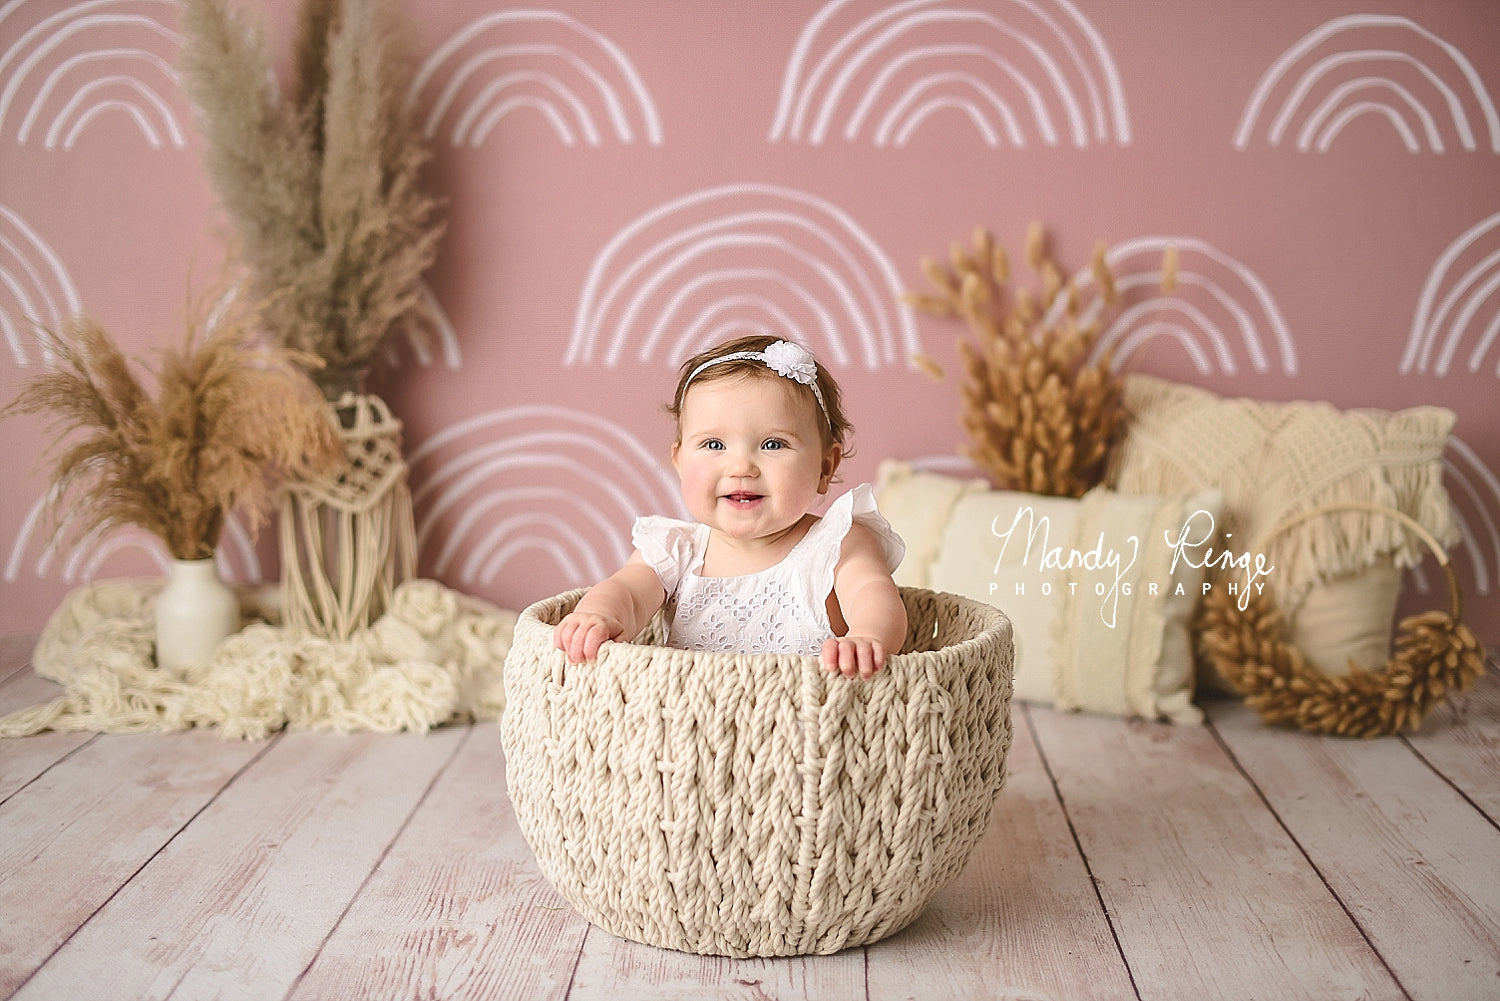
column 228, row 419
column 322, row 187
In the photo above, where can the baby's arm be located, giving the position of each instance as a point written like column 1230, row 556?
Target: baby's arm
column 618, row 607
column 871, row 606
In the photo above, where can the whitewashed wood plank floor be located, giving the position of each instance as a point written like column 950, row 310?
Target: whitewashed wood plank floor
column 1125, row 860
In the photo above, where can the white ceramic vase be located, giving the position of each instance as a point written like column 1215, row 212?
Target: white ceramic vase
column 195, row 611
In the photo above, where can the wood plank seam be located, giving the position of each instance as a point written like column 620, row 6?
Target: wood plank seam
column 144, row 862
column 385, row 852
column 38, row 776
column 1041, row 752
column 1493, row 821
column 583, row 942
column 1302, row 850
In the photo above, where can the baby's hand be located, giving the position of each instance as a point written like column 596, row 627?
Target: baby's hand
column 581, row 634
column 853, row 656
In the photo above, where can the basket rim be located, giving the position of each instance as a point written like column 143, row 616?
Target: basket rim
column 994, row 620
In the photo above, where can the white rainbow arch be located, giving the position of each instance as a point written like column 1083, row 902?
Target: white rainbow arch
column 1460, row 299
column 1371, row 64
column 423, row 324
column 577, row 80
column 36, row 293
column 553, row 483
column 1475, row 489
column 73, row 560
column 94, row 58
column 1220, row 315
column 741, row 259
column 1010, row 67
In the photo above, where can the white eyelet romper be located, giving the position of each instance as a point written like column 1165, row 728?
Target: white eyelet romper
column 782, row 609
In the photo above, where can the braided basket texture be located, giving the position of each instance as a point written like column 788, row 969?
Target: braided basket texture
column 744, row 805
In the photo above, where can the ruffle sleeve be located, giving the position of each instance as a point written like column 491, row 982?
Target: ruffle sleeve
column 857, row 506
column 667, row 545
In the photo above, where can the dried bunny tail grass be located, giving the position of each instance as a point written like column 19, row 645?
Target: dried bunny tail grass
column 1102, row 274
column 1039, row 415
column 928, row 366
column 999, row 265
column 1169, row 269
column 1435, row 655
column 226, row 416
column 1036, row 245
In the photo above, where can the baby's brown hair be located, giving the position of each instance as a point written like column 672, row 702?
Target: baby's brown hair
column 835, row 427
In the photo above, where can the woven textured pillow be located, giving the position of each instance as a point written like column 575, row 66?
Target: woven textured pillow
column 744, row 805
column 1274, row 461
column 1107, row 641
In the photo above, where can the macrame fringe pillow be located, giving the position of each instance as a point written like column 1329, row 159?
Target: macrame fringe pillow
column 1275, row 461
column 1278, row 460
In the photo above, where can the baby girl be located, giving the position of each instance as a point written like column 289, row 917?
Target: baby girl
column 760, row 434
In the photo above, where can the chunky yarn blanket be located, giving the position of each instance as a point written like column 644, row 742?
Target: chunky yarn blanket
column 435, row 656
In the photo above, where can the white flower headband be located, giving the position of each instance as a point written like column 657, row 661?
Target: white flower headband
column 786, row 359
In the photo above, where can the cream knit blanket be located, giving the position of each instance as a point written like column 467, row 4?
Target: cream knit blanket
column 433, row 657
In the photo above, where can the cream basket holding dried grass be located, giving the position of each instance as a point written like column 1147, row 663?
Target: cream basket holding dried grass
column 746, row 805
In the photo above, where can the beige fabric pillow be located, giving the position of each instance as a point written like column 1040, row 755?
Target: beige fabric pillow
column 1276, row 460
column 1090, row 634
column 1349, row 617
column 919, row 506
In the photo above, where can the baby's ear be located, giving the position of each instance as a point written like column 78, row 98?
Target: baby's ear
column 831, row 459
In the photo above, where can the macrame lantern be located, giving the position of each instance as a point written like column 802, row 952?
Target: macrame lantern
column 348, row 539
column 322, row 188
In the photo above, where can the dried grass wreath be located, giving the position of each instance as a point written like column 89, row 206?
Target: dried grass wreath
column 1435, row 655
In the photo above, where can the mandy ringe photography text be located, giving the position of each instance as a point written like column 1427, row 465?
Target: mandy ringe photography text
column 1190, row 545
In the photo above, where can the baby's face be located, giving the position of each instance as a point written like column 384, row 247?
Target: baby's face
column 751, row 455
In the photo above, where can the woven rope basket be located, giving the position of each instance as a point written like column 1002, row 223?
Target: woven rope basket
column 745, row 805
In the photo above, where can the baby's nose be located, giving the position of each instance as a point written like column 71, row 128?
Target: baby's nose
column 742, row 463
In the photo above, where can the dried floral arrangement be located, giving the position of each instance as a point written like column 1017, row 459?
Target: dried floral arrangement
column 1041, row 417
column 228, row 418
column 323, row 187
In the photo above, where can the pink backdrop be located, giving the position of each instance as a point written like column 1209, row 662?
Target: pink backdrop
column 629, row 181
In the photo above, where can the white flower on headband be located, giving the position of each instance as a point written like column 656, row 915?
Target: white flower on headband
column 791, row 361
column 788, row 360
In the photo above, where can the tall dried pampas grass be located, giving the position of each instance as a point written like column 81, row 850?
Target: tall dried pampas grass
column 322, row 187
column 227, row 420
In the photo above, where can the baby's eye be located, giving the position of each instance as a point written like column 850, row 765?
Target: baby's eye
column 713, row 445
column 772, row 444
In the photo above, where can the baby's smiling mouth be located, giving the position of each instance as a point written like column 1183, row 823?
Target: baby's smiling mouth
column 742, row 497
